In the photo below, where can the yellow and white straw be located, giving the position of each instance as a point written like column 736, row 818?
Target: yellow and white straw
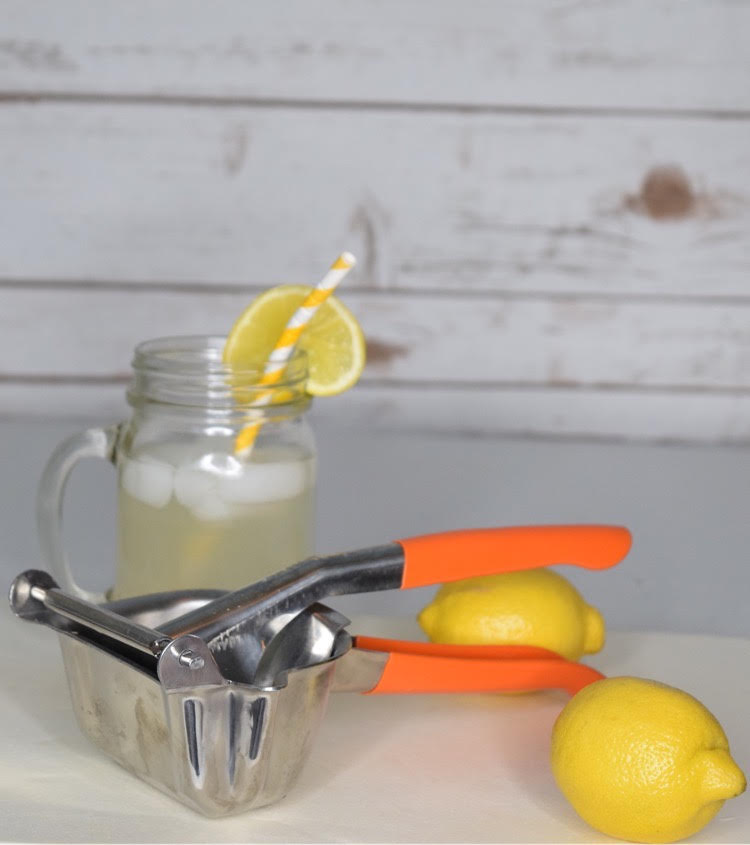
column 286, row 344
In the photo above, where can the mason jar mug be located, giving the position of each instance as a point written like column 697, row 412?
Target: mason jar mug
column 194, row 510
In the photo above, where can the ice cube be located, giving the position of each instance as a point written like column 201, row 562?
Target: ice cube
column 148, row 480
column 212, row 509
column 265, row 482
column 193, row 486
column 221, row 463
column 196, row 486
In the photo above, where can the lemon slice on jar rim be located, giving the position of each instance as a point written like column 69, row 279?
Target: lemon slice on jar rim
column 333, row 340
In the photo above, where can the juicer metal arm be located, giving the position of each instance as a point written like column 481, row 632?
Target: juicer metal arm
column 415, row 562
column 35, row 595
column 294, row 588
column 179, row 663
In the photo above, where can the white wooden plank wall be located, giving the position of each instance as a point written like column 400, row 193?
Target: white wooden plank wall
column 531, row 260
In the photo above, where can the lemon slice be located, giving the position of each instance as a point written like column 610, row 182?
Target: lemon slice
column 333, row 339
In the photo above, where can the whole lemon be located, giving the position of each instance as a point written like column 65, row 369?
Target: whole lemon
column 533, row 607
column 643, row 761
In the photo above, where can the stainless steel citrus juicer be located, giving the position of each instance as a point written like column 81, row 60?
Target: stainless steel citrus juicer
column 215, row 697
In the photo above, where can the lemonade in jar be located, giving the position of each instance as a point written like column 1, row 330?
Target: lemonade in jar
column 191, row 511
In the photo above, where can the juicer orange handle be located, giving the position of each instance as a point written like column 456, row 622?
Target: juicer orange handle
column 452, row 555
column 466, row 652
column 436, row 668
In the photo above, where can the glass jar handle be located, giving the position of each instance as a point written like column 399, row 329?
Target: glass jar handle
column 92, row 443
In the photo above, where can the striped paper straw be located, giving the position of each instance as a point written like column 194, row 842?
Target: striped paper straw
column 285, row 345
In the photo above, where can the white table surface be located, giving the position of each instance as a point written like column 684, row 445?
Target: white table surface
column 451, row 768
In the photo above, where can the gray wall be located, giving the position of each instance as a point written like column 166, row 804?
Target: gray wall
column 686, row 506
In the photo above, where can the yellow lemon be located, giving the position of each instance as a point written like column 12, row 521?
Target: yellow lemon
column 534, row 607
column 333, row 339
column 643, row 761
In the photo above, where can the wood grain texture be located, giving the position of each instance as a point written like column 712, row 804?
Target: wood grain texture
column 550, row 201
column 646, row 54
column 449, row 340
column 251, row 197
column 590, row 414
